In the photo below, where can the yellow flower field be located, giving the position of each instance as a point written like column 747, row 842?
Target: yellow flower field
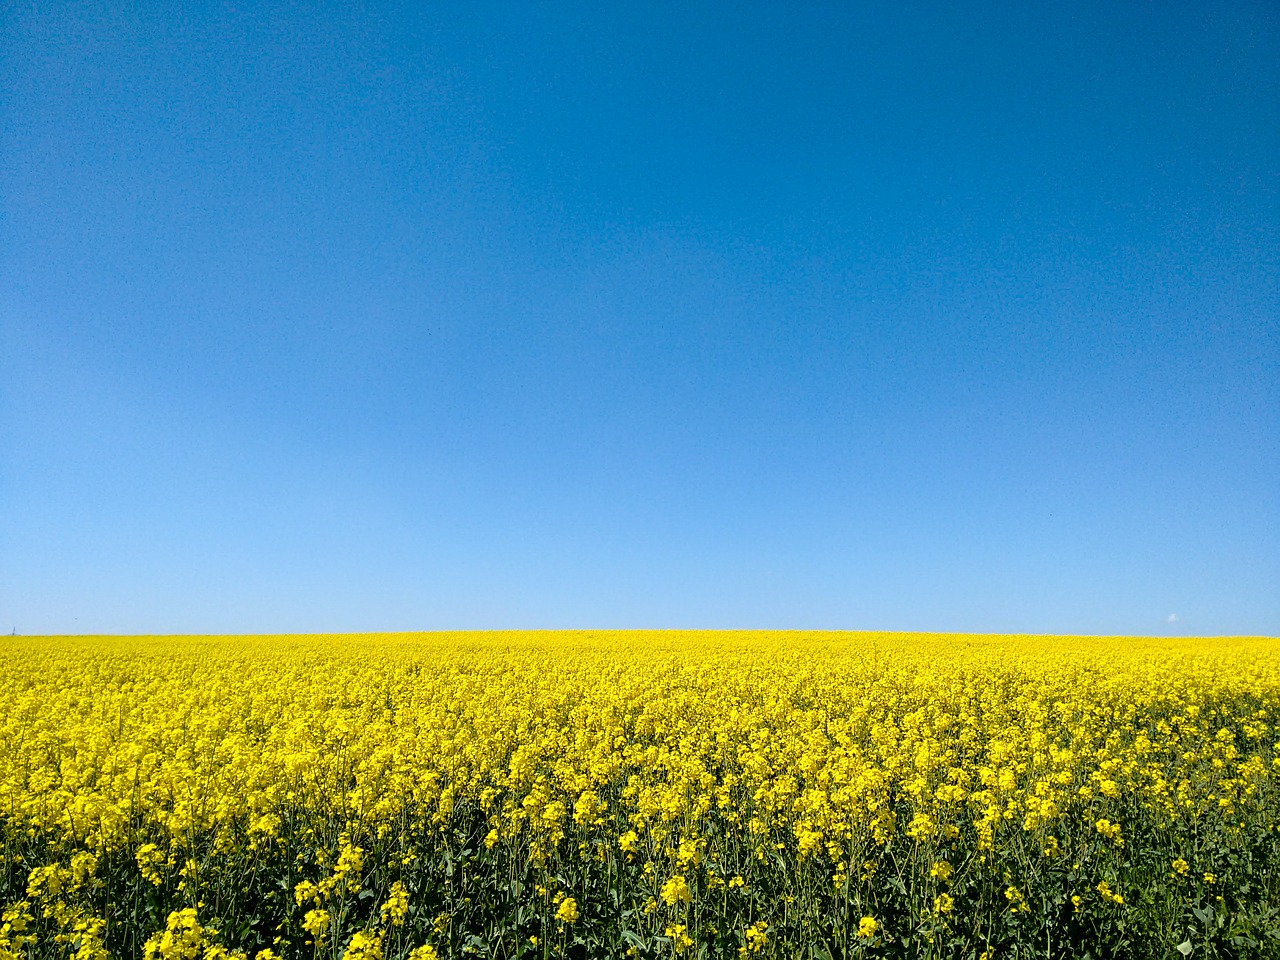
column 660, row 794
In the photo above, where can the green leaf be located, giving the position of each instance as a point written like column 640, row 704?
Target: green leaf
column 1184, row 948
column 632, row 939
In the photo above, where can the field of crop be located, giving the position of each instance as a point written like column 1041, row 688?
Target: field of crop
column 671, row 794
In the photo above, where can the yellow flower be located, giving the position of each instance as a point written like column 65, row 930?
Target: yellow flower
column 47, row 881
column 350, row 761
column 1017, row 904
column 920, row 827
column 676, row 890
column 149, row 858
column 396, row 907
column 15, row 922
column 1106, row 893
column 679, row 935
column 350, row 863
column 316, row 923
column 868, row 927
column 568, row 911
column 182, row 938
column 363, row 946
column 1109, row 830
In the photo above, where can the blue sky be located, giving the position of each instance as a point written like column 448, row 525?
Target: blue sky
column 938, row 317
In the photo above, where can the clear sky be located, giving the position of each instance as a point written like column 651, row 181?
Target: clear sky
column 432, row 316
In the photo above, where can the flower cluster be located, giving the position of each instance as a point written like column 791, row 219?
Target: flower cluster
column 720, row 794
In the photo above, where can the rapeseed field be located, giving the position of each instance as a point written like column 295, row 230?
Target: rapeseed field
column 536, row 795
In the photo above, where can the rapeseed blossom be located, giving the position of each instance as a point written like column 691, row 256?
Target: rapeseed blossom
column 182, row 939
column 397, row 906
column 417, row 796
column 676, row 890
column 567, row 911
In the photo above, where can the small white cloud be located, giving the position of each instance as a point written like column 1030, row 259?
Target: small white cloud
column 1172, row 618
